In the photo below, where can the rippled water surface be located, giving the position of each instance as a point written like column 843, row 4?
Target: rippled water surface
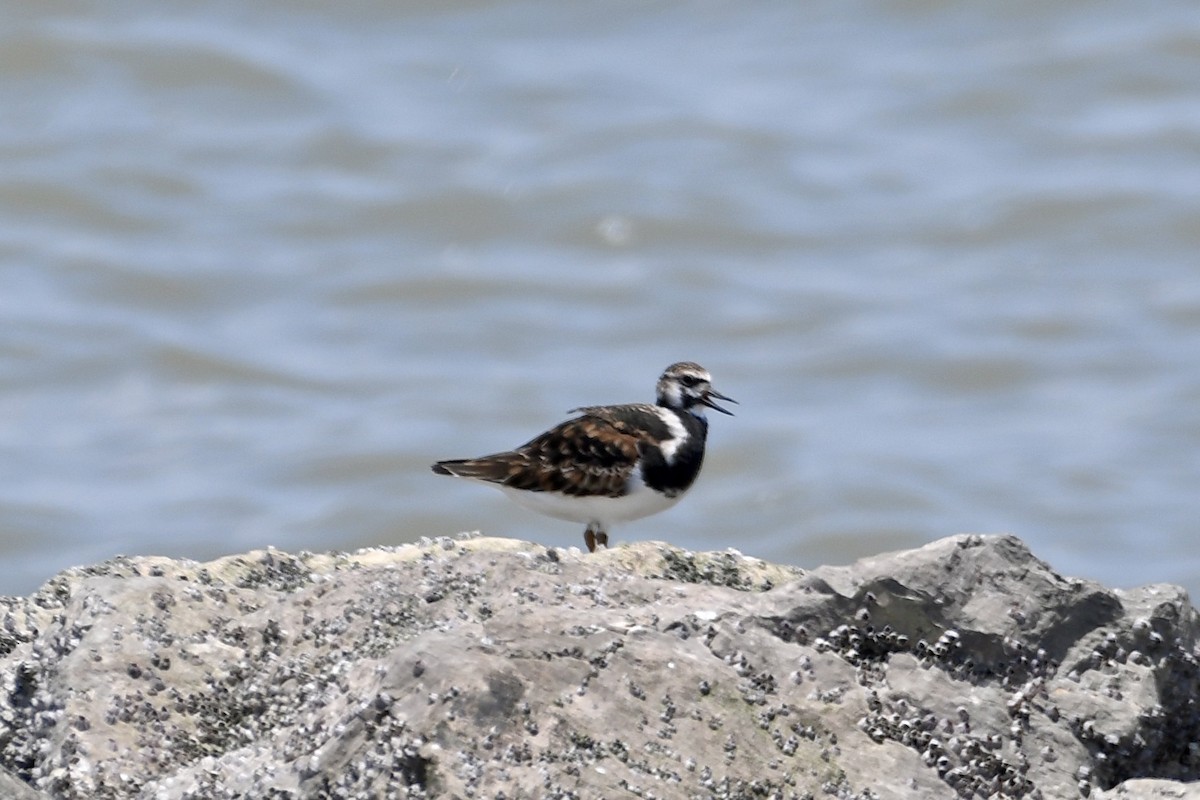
column 262, row 263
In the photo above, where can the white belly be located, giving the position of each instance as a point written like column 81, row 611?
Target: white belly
column 641, row 502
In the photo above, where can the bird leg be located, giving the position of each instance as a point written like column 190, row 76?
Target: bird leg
column 595, row 535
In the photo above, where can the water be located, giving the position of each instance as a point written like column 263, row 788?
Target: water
column 263, row 263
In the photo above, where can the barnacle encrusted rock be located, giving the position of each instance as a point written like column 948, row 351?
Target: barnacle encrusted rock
column 489, row 668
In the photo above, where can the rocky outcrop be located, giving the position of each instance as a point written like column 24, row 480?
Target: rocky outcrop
column 492, row 668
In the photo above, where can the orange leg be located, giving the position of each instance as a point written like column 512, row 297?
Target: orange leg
column 594, row 536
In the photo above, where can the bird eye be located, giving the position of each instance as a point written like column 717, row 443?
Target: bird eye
column 689, row 380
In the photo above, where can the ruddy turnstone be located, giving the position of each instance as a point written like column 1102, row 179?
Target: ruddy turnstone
column 611, row 463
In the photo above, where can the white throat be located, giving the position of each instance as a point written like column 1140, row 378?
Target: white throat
column 678, row 432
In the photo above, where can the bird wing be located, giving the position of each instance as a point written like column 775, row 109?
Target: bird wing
column 592, row 454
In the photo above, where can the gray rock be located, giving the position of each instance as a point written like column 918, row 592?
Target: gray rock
column 13, row 788
column 1153, row 789
column 496, row 668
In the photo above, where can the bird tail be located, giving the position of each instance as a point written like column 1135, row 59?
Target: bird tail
column 480, row 469
column 445, row 467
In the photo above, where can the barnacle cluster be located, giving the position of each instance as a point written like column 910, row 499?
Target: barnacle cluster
column 489, row 668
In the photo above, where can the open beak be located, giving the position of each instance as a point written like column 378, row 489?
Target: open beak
column 708, row 401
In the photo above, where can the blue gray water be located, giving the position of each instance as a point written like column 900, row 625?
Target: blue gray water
column 263, row 262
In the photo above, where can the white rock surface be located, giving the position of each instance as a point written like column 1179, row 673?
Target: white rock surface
column 493, row 668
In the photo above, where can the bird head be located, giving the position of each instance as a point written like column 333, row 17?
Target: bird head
column 687, row 386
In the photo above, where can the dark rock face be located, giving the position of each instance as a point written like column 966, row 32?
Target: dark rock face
column 492, row 668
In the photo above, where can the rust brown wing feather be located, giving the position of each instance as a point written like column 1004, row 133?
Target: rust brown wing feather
column 638, row 420
column 587, row 455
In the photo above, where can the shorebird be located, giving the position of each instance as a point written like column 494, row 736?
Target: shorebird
column 609, row 464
